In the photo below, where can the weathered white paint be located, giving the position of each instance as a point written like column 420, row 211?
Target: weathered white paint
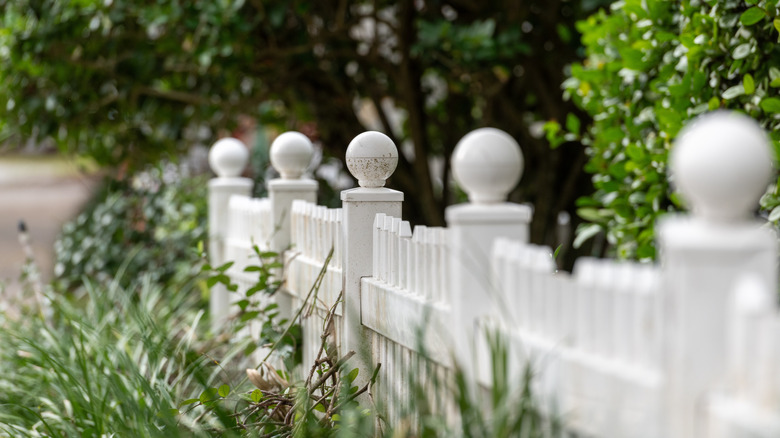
column 371, row 158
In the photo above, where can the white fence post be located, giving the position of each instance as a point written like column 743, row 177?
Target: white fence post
column 228, row 159
column 487, row 164
column 721, row 164
column 291, row 154
column 371, row 158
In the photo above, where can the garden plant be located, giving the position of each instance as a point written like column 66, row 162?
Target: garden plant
column 651, row 66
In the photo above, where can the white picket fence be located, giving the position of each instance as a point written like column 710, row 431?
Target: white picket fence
column 686, row 348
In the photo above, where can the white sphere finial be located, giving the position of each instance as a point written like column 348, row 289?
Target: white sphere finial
column 722, row 163
column 487, row 163
column 372, row 158
column 291, row 154
column 228, row 157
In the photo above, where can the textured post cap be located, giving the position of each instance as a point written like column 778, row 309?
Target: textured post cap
column 291, row 154
column 722, row 163
column 487, row 164
column 372, row 158
column 228, row 157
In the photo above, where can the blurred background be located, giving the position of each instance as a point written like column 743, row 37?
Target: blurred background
column 107, row 108
column 99, row 95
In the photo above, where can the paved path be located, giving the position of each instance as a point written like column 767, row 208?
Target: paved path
column 45, row 192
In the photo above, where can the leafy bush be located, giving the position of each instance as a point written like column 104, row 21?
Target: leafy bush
column 158, row 217
column 650, row 66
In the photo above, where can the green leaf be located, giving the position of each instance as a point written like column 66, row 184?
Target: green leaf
column 645, row 252
column 319, row 407
column 352, row 375
column 635, row 152
column 256, row 395
column 224, row 390
column 225, row 267
column 253, row 268
column 208, row 395
column 585, row 233
column 590, row 214
column 749, row 84
column 572, row 123
column 776, row 22
column 774, row 215
column 752, row 16
column 774, row 73
column 771, row 105
column 255, row 289
column 677, row 199
column 270, row 307
column 221, row 278
column 167, row 413
column 741, row 51
column 188, row 402
column 552, row 131
column 732, row 92
column 713, row 104
column 249, row 315
column 632, row 58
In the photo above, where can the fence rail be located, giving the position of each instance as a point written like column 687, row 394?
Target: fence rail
column 686, row 348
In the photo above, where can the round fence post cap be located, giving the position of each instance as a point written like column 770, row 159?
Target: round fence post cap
column 371, row 158
column 228, row 157
column 487, row 164
column 291, row 154
column 721, row 164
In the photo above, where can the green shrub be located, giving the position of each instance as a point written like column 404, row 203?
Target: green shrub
column 158, row 217
column 650, row 66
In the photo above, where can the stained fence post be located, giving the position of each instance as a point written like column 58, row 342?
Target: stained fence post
column 228, row 159
column 487, row 164
column 721, row 164
column 291, row 154
column 371, row 158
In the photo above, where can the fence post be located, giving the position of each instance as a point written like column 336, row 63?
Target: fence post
column 228, row 159
column 721, row 164
column 487, row 164
column 371, row 158
column 291, row 154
